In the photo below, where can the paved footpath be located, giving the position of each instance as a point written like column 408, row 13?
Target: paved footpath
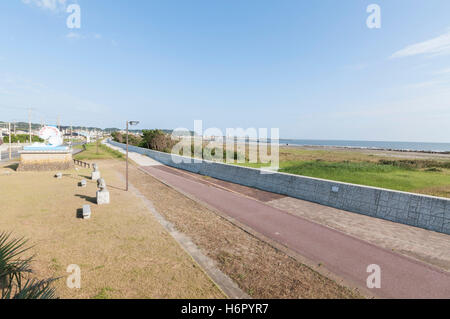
column 343, row 255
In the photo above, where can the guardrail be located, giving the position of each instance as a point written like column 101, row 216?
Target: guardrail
column 4, row 155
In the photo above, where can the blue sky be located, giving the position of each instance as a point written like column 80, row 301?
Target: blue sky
column 311, row 68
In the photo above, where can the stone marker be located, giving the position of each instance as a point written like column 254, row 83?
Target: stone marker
column 58, row 175
column 83, row 183
column 5, row 173
column 95, row 175
column 102, row 193
column 86, row 211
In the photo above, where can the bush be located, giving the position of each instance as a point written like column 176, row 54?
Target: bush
column 15, row 281
column 117, row 137
column 157, row 140
column 122, row 138
column 22, row 138
column 433, row 169
column 206, row 151
column 415, row 164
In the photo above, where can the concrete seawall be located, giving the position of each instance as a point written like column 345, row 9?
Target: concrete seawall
column 428, row 212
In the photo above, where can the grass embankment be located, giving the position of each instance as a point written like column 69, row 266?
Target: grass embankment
column 104, row 152
column 123, row 252
column 431, row 177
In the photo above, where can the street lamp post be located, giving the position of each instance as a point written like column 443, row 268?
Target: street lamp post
column 129, row 123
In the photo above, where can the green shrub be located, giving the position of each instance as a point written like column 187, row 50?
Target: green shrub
column 157, row 140
column 22, row 138
column 122, row 138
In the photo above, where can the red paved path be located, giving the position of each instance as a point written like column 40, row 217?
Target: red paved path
column 346, row 256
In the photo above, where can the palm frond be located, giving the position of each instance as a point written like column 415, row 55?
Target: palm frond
column 36, row 289
column 14, row 270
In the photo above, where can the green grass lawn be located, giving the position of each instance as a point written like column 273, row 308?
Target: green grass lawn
column 425, row 177
column 104, row 152
column 77, row 147
column 371, row 174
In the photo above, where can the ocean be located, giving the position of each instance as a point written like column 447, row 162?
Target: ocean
column 401, row 146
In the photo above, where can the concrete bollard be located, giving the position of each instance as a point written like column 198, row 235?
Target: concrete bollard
column 102, row 193
column 86, row 211
column 95, row 175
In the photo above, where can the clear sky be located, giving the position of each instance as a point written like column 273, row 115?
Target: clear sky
column 311, row 68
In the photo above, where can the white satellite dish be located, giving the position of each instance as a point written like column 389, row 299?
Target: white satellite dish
column 51, row 135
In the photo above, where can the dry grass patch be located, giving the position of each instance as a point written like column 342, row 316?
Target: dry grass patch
column 122, row 250
column 258, row 268
column 442, row 191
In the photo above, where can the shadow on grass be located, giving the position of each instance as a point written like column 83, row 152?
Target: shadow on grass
column 79, row 213
column 90, row 199
column 88, row 180
column 118, row 188
column 13, row 166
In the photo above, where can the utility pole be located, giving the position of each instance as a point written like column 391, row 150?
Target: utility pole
column 130, row 123
column 29, row 122
column 127, row 157
column 96, row 139
column 9, row 129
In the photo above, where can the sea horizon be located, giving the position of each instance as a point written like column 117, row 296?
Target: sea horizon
column 385, row 145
